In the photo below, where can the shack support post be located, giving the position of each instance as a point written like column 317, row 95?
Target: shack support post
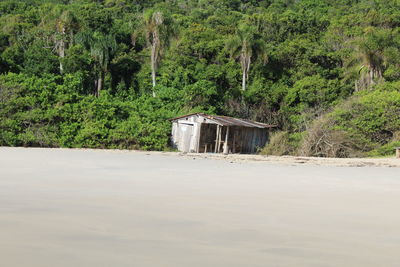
column 217, row 139
column 221, row 128
column 226, row 147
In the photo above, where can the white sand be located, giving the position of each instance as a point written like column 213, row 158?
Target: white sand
column 64, row 208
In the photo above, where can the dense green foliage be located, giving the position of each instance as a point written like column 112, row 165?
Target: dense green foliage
column 109, row 73
column 366, row 122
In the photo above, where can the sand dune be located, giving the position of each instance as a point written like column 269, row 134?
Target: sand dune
column 118, row 208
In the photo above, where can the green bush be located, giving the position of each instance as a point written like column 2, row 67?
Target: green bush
column 385, row 150
column 365, row 123
column 49, row 112
column 282, row 143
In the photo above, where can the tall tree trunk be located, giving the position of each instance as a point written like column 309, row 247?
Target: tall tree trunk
column 100, row 83
column 155, row 46
column 244, row 80
column 95, row 87
column 153, row 72
column 153, row 66
column 245, row 60
column 62, row 55
column 61, row 49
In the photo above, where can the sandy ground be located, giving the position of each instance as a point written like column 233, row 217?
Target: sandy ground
column 292, row 160
column 116, row 208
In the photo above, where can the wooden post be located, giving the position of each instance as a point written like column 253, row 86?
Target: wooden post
column 226, row 148
column 198, row 137
column 216, row 139
column 219, row 139
column 398, row 152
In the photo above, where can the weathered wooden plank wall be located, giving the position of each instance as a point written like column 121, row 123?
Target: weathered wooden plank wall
column 195, row 133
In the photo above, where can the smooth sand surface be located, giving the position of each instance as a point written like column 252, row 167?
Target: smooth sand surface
column 64, row 208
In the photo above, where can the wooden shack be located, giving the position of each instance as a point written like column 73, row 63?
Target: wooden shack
column 202, row 133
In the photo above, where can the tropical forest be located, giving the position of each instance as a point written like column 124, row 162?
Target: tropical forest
column 111, row 73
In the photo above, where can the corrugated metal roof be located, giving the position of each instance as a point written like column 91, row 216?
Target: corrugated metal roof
column 228, row 121
column 187, row 115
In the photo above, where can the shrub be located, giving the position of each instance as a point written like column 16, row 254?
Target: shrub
column 385, row 150
column 359, row 125
column 48, row 111
column 323, row 140
column 282, row 143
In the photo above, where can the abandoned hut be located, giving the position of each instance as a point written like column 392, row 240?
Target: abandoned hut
column 202, row 133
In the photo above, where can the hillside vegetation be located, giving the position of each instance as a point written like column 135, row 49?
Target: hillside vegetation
column 108, row 74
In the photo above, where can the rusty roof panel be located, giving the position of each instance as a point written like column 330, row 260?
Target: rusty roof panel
column 229, row 121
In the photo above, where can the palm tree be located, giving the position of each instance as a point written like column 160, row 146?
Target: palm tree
column 367, row 60
column 371, row 69
column 102, row 47
column 158, row 29
column 246, row 46
column 67, row 24
column 62, row 24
